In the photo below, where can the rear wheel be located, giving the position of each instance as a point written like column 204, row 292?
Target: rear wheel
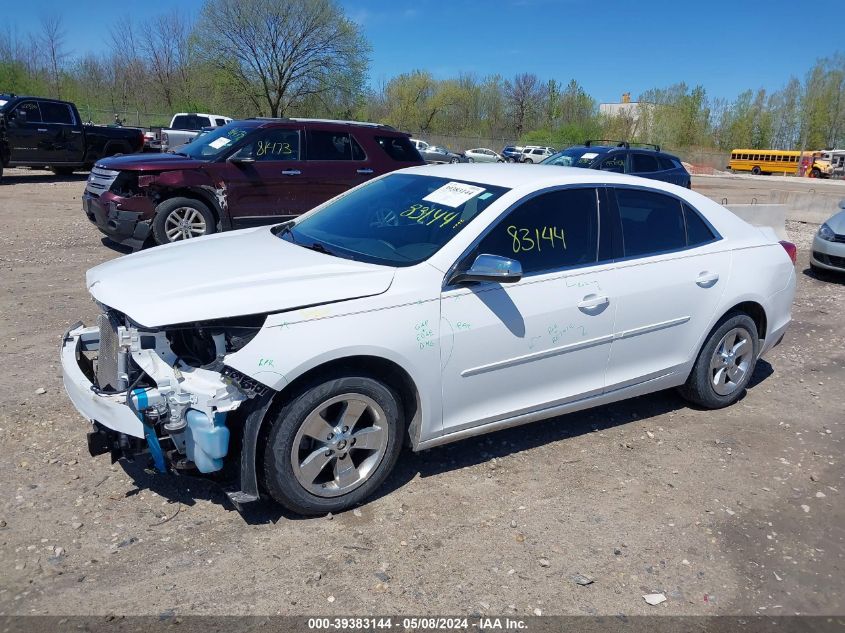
column 725, row 363
column 62, row 171
column 756, row 170
column 182, row 219
column 333, row 445
column 528, row 160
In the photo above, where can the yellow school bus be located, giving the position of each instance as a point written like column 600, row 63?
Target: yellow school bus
column 766, row 161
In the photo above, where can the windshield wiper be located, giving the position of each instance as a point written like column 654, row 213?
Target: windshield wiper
column 317, row 246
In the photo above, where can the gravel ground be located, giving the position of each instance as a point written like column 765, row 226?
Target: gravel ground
column 737, row 511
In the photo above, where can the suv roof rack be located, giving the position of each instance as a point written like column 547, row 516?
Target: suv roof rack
column 338, row 121
column 625, row 144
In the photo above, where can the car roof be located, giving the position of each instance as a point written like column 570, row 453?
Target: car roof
column 606, row 149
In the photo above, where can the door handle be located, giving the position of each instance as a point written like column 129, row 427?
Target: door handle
column 707, row 279
column 76, row 131
column 365, row 171
column 42, row 129
column 291, row 172
column 592, row 301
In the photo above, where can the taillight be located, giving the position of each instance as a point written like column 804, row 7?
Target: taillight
column 790, row 249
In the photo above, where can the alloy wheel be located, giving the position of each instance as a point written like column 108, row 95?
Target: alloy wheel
column 339, row 445
column 731, row 361
column 183, row 223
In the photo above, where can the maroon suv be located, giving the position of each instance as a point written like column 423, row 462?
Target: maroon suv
column 243, row 174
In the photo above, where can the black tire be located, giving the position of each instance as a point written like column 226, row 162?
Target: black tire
column 815, row 173
column 470, row 159
column 279, row 478
column 699, row 388
column 62, row 171
column 529, row 161
column 167, row 212
column 756, row 170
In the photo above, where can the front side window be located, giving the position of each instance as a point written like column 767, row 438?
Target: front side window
column 573, row 157
column 56, row 113
column 614, row 163
column 398, row 220
column 30, row 110
column 329, row 145
column 651, row 222
column 550, row 231
column 273, row 144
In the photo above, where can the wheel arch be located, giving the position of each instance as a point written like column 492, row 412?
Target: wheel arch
column 199, row 195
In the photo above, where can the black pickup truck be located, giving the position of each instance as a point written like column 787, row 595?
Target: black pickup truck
column 38, row 132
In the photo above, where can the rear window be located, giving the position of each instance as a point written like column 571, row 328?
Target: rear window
column 651, row 222
column 697, row 230
column 330, row 145
column 190, row 122
column 399, row 148
column 666, row 163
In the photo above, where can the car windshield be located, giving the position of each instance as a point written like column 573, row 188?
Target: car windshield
column 573, row 157
column 216, row 142
column 398, row 220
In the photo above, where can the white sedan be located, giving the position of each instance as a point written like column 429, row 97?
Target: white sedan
column 428, row 305
column 483, row 155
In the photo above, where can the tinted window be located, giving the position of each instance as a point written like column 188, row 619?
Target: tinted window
column 30, row 109
column 697, row 230
column 56, row 113
column 190, row 122
column 327, row 145
column 399, row 148
column 665, row 163
column 651, row 222
column 548, row 232
column 399, row 220
column 278, row 144
column 220, row 122
column 643, row 163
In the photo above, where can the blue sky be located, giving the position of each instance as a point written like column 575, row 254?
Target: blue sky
column 610, row 47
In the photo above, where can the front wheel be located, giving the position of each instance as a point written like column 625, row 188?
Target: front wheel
column 182, row 219
column 529, row 161
column 725, row 363
column 454, row 160
column 815, row 173
column 62, row 171
column 333, row 445
column 756, row 170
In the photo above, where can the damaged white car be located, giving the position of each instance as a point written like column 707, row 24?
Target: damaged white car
column 426, row 306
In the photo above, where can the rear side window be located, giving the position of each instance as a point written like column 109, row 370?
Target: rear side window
column 666, row 163
column 651, row 222
column 220, row 122
column 399, row 148
column 697, row 230
column 329, row 145
column 548, row 232
column 56, row 113
column 643, row 163
column 30, row 110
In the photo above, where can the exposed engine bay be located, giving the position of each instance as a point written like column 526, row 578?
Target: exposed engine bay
column 175, row 381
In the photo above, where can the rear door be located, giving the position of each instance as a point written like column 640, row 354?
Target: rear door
column 66, row 142
column 646, row 166
column 273, row 186
column 667, row 284
column 335, row 162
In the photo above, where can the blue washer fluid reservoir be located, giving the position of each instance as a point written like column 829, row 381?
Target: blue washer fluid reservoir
column 206, row 441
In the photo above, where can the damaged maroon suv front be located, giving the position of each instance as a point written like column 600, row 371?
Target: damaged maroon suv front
column 247, row 173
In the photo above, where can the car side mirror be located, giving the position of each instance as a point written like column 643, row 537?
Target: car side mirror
column 20, row 116
column 242, row 157
column 492, row 268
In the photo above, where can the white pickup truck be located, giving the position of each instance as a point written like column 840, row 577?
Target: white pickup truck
column 185, row 126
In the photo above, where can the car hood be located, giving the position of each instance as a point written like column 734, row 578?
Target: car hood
column 229, row 274
column 149, row 162
column 837, row 223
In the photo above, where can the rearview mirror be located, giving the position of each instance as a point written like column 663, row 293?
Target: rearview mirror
column 493, row 268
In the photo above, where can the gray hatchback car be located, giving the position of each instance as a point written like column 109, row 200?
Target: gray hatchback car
column 638, row 159
column 829, row 244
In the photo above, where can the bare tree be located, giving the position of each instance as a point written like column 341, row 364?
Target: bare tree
column 523, row 94
column 52, row 40
column 282, row 51
column 165, row 50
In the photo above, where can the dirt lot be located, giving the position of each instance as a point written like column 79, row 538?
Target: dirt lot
column 735, row 511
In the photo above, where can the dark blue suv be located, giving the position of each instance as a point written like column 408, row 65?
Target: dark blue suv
column 638, row 159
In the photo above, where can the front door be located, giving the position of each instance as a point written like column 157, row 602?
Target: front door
column 27, row 136
column 668, row 286
column 516, row 348
column 64, row 132
column 272, row 186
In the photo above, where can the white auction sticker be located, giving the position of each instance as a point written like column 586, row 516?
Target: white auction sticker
column 589, row 155
column 453, row 194
column 2, row 103
column 219, row 142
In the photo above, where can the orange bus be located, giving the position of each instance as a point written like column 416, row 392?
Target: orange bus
column 766, row 161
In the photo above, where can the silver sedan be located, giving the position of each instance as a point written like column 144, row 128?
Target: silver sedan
column 483, row 155
column 829, row 244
